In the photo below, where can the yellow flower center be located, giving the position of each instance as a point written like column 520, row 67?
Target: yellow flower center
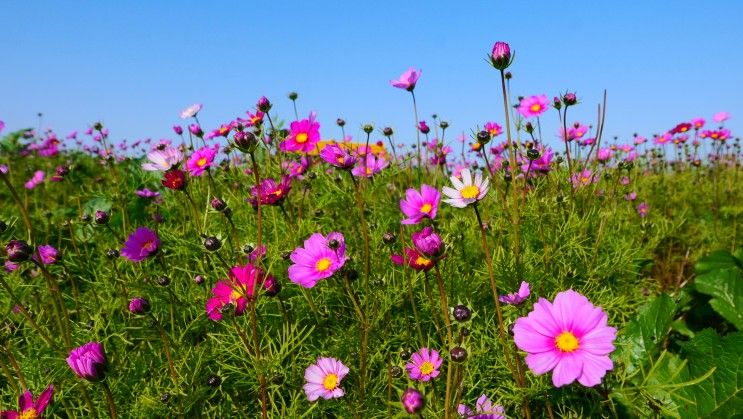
column 28, row 414
column 566, row 342
column 330, row 382
column 426, row 208
column 322, row 265
column 585, row 180
column 421, row 261
column 476, row 146
column 149, row 246
column 469, row 192
column 535, row 107
column 236, row 295
column 369, row 171
column 301, row 138
column 426, row 368
column 201, row 162
column 341, row 160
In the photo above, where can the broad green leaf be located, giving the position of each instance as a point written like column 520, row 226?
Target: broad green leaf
column 721, row 395
column 641, row 340
column 726, row 289
column 719, row 259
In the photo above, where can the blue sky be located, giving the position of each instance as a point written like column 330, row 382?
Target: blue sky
column 136, row 65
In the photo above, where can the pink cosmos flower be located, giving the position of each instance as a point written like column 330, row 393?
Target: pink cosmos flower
column 407, row 80
column 237, row 290
column 27, row 408
column 584, row 178
column 140, row 244
column 10, row 266
column 721, row 117
column 201, row 160
column 419, row 205
column 88, row 361
column 269, row 192
column 317, row 260
column 532, row 106
column 163, row 160
column 2, row 126
column 516, row 298
column 466, row 192
column 323, row 379
column 35, row 180
column 303, row 135
column 640, row 140
column 146, row 193
column 604, row 154
column 295, row 168
column 47, row 253
column 424, row 365
column 191, row 111
column 569, row 337
column 642, row 209
column 698, row 123
column 484, row 409
column 413, row 259
column 663, row 139
column 493, row 129
column 369, row 166
column 337, row 156
column 632, row 196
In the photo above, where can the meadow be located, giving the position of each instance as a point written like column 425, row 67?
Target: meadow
column 511, row 268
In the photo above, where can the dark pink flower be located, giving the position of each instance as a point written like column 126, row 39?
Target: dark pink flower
column 140, row 245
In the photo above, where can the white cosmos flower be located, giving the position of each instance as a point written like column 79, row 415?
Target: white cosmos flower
column 191, row 111
column 163, row 160
column 465, row 191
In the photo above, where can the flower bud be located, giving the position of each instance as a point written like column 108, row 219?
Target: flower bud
column 462, row 313
column 196, row 130
column 340, row 122
column 444, row 125
column 293, row 96
column 368, row 128
column 387, row 131
column 163, row 281
column 214, row 380
column 483, row 137
column 18, row 250
column 333, row 244
column 139, row 305
column 101, row 217
column 500, row 57
column 112, row 253
column 529, row 127
column 389, row 238
column 569, row 99
column 423, row 127
column 178, row 129
column 245, row 141
column 458, row 354
column 218, row 204
column 428, row 242
column 396, row 372
column 264, row 105
column 412, row 401
column 532, row 154
column 198, row 279
column 556, row 103
column 212, row 244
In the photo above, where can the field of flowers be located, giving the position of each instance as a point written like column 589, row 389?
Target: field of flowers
column 260, row 269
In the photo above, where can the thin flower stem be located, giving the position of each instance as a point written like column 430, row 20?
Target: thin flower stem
column 241, row 333
column 166, row 348
column 14, row 363
column 10, row 379
column 449, row 340
column 21, row 207
column 110, row 400
column 515, row 215
column 417, row 134
column 28, row 317
column 365, row 329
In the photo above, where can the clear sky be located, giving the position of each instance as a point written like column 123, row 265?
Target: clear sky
column 136, row 64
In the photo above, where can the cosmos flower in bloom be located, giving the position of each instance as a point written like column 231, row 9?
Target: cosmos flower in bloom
column 191, row 111
column 201, row 160
column 516, row 298
column 413, row 259
column 484, row 409
column 237, row 290
column 47, row 253
column 303, row 135
column 721, row 117
column 369, row 166
column 269, row 192
column 88, row 361
column 465, row 191
column 323, row 379
column 35, row 180
column 642, row 209
column 146, row 193
column 407, row 80
column 584, row 178
column 163, row 160
column 493, row 129
column 140, row 244
column 532, row 106
column 424, row 365
column 569, row 337
column 419, row 205
column 27, row 408
column 337, row 156
column 317, row 260
column 698, row 123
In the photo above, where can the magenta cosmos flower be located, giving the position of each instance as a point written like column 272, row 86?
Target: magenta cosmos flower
column 163, row 160
column 466, row 191
column 642, row 209
column 428, row 243
column 323, row 379
column 269, row 192
column 35, row 180
column 424, row 365
column 484, row 409
column 532, row 106
column 317, row 260
column 569, row 337
column 413, row 259
column 237, row 290
column 303, row 135
column 337, row 156
column 407, row 80
column 721, row 117
column 419, row 205
column 370, row 166
column 146, row 193
column 500, row 56
column 201, row 160
column 47, row 253
column 27, row 407
column 584, row 178
column 516, row 298
column 140, row 244
column 412, row 400
column 88, row 361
